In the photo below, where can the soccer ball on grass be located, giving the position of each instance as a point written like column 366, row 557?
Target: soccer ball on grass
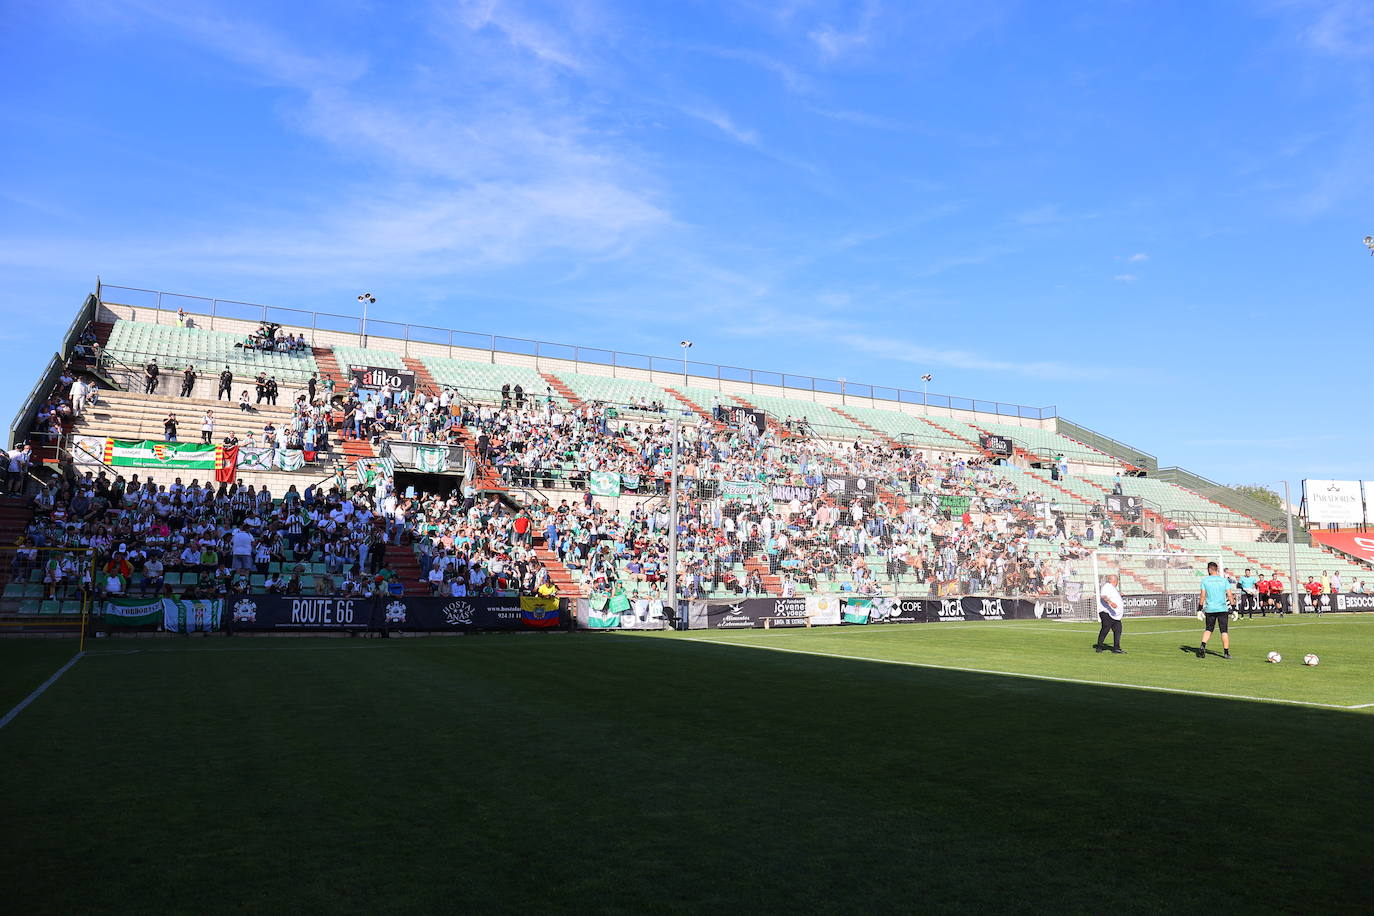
column 1311, row 660
column 1273, row 657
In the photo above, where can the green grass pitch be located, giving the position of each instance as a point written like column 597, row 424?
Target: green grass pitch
column 859, row 770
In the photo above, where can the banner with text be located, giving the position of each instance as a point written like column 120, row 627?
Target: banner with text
column 377, row 376
column 142, row 453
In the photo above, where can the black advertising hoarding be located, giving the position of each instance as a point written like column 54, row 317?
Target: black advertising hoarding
column 285, row 613
column 377, row 376
column 745, row 614
column 997, row 445
column 1128, row 507
column 301, row 614
column 437, row 615
column 846, row 490
column 752, row 612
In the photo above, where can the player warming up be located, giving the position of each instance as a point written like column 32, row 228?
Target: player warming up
column 1214, row 595
column 1109, row 607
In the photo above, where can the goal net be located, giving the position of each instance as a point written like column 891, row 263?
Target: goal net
column 1155, row 582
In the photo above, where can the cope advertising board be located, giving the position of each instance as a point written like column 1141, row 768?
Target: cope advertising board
column 302, row 614
column 1338, row 502
column 377, row 376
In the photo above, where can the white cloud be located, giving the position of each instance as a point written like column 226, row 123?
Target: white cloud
column 834, row 42
column 1138, row 257
column 503, row 174
column 1341, row 27
column 523, row 32
column 765, row 322
column 722, row 122
column 1125, row 278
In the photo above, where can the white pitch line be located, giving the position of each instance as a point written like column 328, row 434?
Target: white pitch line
column 19, row 707
column 1022, row 674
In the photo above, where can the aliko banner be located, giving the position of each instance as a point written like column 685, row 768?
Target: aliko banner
column 854, row 610
column 285, row 613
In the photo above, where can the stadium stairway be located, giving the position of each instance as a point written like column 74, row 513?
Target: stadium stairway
column 486, row 480
column 423, row 380
column 563, row 390
column 953, row 435
column 771, row 584
column 877, row 434
column 694, row 407
column 329, row 367
column 1252, row 562
column 402, row 561
column 559, row 575
column 782, row 431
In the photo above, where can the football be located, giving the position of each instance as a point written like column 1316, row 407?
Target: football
column 1311, row 660
column 1273, row 657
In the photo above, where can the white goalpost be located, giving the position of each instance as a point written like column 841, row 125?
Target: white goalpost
column 1154, row 582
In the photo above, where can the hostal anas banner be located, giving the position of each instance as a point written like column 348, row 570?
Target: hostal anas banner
column 142, row 453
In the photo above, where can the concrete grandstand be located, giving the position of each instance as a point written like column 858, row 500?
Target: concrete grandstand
column 517, row 466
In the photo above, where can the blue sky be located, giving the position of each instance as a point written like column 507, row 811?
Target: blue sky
column 1145, row 213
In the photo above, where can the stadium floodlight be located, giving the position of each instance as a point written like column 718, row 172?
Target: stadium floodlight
column 685, row 345
column 366, row 299
column 1369, row 243
column 925, row 389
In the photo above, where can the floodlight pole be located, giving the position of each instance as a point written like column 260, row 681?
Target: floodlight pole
column 1292, row 550
column 672, row 528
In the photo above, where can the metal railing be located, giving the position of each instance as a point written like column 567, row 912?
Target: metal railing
column 1114, row 447
column 1230, row 498
column 24, row 418
column 493, row 343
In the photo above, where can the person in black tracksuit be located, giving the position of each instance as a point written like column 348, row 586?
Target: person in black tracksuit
column 226, row 381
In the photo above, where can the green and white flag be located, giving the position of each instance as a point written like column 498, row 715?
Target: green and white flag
column 432, row 459
column 600, row 616
column 370, row 470
column 132, row 612
column 290, row 459
column 142, row 453
column 200, row 615
column 604, row 483
column 856, row 610
column 255, row 459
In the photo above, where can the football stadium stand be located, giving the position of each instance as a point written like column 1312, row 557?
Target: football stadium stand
column 504, row 472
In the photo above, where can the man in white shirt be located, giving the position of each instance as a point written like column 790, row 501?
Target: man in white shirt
column 242, row 548
column 1109, row 610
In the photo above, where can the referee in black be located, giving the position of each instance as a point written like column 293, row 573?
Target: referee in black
column 1109, row 609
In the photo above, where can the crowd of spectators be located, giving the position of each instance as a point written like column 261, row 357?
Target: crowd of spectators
column 138, row 531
